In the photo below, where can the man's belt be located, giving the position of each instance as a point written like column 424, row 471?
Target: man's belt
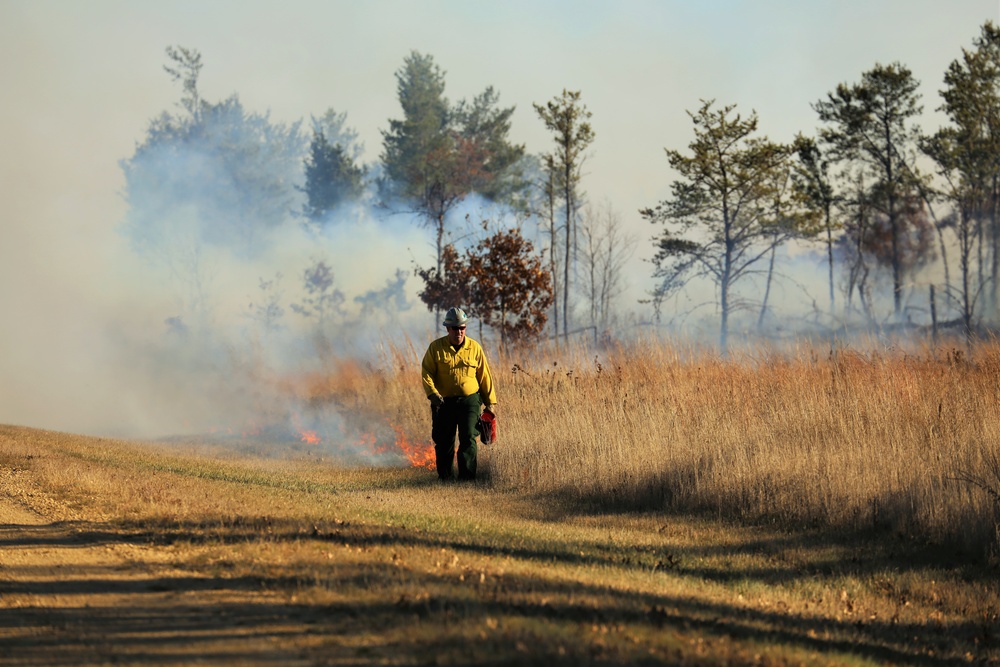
column 457, row 398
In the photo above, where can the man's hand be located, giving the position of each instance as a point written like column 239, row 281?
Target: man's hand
column 492, row 409
column 436, row 401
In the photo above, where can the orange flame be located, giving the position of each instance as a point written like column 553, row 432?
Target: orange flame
column 366, row 441
column 419, row 455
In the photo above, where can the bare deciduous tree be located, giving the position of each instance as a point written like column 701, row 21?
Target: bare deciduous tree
column 605, row 250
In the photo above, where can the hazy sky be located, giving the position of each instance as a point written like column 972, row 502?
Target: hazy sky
column 81, row 81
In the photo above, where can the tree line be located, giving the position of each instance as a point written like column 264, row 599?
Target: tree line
column 884, row 199
column 216, row 173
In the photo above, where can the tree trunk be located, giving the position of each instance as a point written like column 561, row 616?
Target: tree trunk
column 552, row 253
column 440, row 259
column 897, row 265
column 965, row 256
column 934, row 327
column 767, row 288
column 829, row 256
column 724, row 296
column 994, row 247
column 569, row 237
column 980, row 245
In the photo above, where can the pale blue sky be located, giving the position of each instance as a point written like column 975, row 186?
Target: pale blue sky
column 81, row 80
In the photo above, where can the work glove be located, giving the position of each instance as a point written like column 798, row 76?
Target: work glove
column 436, row 401
column 492, row 409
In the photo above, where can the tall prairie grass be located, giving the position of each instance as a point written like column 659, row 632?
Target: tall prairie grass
column 892, row 440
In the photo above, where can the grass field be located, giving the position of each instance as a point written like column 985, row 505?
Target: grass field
column 644, row 505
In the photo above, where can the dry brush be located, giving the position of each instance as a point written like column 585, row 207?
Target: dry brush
column 889, row 440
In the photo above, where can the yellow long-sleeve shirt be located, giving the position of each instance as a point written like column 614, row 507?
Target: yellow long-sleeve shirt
column 460, row 372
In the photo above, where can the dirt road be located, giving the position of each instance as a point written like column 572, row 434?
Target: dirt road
column 124, row 553
column 79, row 593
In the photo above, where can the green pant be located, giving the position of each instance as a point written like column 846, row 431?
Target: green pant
column 460, row 414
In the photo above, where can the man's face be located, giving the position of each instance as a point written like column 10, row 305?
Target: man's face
column 456, row 335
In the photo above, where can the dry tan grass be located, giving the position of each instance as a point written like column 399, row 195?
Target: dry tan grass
column 647, row 505
column 907, row 441
column 846, row 439
column 138, row 553
column 897, row 440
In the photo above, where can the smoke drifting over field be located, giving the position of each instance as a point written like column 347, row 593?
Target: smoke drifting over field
column 191, row 330
column 195, row 312
column 125, row 351
column 212, row 355
column 197, row 336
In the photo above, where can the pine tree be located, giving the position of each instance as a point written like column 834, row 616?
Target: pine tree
column 871, row 124
column 436, row 155
column 332, row 178
column 732, row 195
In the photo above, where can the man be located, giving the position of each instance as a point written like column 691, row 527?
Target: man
column 457, row 381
